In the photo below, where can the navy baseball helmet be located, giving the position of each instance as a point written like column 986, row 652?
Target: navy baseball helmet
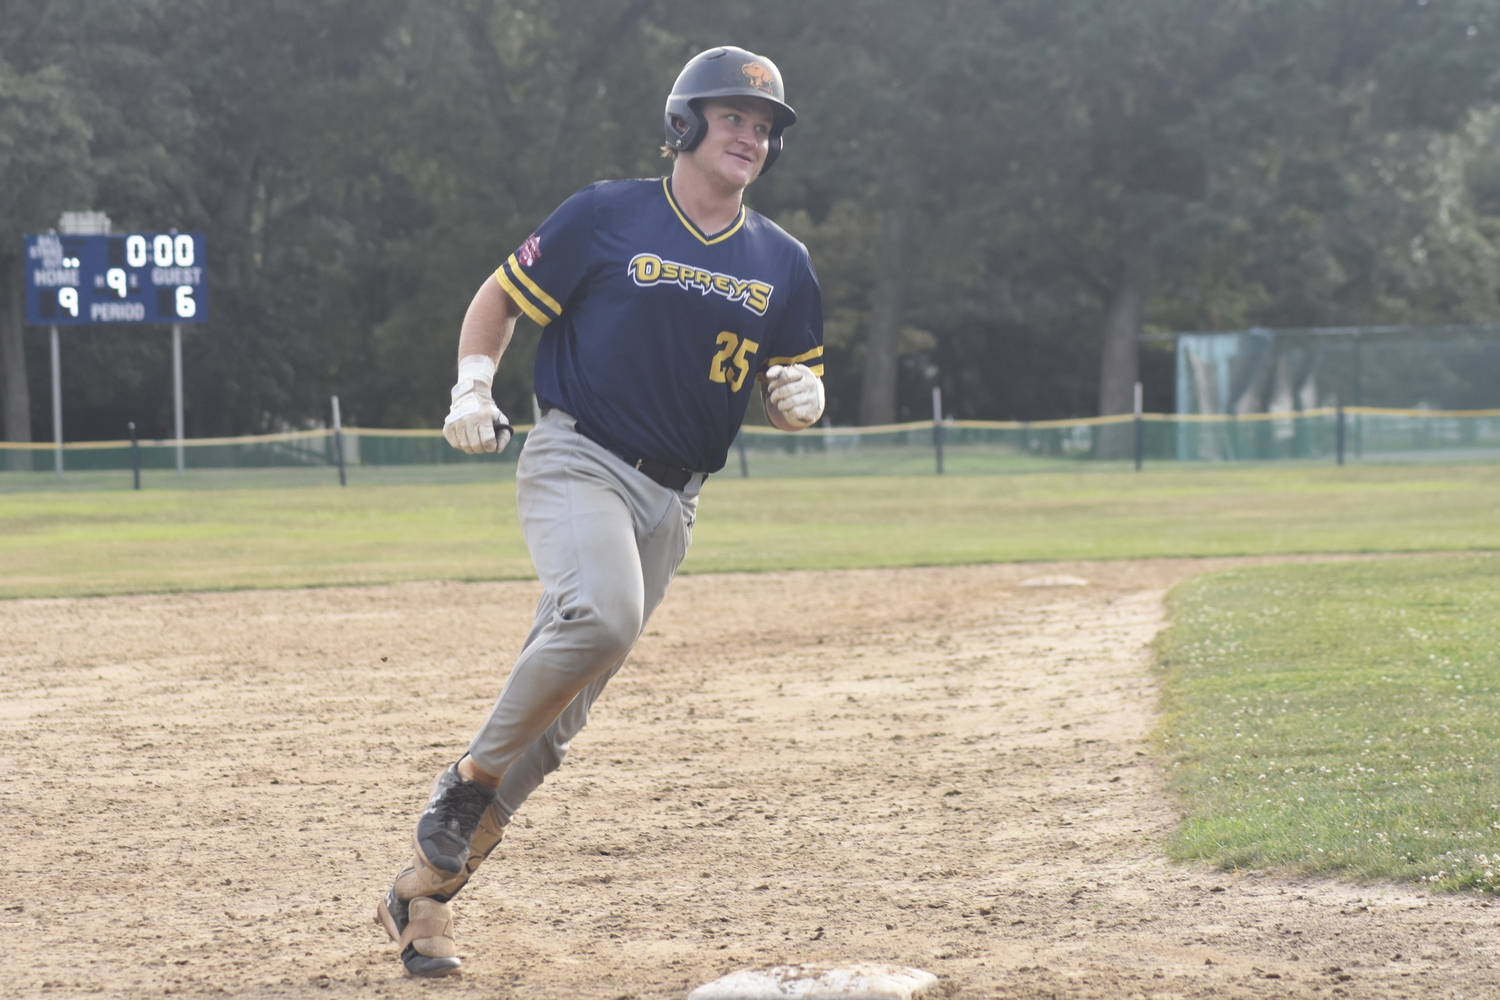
column 726, row 71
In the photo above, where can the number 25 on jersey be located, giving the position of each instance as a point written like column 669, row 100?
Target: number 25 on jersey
column 730, row 365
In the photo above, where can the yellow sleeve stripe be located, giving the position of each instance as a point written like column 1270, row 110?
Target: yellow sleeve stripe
column 520, row 299
column 816, row 352
column 542, row 297
column 817, row 370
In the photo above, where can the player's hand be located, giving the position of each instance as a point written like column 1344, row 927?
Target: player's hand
column 796, row 393
column 475, row 424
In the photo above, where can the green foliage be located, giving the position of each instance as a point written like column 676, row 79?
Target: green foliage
column 43, row 144
column 1339, row 718
column 360, row 168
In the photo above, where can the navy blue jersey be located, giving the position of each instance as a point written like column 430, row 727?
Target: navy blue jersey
column 654, row 332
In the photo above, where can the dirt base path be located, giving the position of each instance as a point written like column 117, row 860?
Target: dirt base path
column 205, row 794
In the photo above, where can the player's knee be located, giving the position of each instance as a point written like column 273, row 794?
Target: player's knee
column 607, row 629
column 614, row 634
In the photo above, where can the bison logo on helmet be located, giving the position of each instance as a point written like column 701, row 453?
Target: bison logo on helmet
column 760, row 77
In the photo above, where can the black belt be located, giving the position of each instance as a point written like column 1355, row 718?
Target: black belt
column 669, row 476
column 660, row 473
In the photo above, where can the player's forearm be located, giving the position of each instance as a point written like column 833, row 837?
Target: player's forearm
column 475, row 424
column 489, row 323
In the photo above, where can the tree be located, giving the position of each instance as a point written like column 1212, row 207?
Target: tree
column 1205, row 144
column 897, row 102
column 43, row 168
column 998, row 194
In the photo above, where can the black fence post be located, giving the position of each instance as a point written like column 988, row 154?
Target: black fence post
column 1339, row 437
column 739, row 445
column 135, row 455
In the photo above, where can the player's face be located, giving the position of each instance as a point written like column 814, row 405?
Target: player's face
column 734, row 147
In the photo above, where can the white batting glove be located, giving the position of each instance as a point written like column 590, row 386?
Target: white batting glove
column 475, row 424
column 796, row 393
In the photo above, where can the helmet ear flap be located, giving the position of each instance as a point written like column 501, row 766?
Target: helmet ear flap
column 773, row 150
column 682, row 109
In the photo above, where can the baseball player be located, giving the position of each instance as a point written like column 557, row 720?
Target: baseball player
column 662, row 303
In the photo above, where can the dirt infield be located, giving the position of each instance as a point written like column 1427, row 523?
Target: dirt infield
column 205, row 794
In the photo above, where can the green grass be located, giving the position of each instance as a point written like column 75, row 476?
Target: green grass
column 113, row 543
column 79, row 543
column 876, row 522
column 1340, row 718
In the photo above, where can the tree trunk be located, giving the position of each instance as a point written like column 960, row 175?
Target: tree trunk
column 1119, row 367
column 877, row 398
column 236, row 209
column 13, row 388
column 475, row 21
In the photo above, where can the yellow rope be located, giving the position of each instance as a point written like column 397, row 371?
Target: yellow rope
column 909, row 427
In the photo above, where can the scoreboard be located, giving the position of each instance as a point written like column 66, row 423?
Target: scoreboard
column 134, row 278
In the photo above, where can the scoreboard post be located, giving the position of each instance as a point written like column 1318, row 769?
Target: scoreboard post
column 98, row 279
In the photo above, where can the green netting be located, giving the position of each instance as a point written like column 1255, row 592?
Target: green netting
column 966, row 447
column 1275, row 393
column 1370, row 435
column 1259, row 371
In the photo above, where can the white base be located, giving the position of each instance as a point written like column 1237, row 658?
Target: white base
column 819, row 982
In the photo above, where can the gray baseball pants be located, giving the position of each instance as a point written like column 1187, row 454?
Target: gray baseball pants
column 606, row 541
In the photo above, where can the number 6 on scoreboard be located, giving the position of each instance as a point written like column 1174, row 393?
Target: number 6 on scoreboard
column 187, row 306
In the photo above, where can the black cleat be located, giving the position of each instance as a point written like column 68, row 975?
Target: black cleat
column 393, row 914
column 445, row 830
